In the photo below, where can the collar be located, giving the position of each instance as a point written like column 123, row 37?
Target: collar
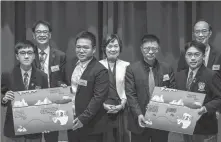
column 23, row 71
column 207, row 48
column 194, row 71
column 84, row 64
column 148, row 65
column 47, row 50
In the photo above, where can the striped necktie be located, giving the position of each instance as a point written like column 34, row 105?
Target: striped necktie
column 42, row 58
column 151, row 82
column 189, row 81
column 26, row 80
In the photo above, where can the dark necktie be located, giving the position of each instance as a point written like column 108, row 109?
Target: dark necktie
column 42, row 59
column 189, row 81
column 151, row 82
column 26, row 80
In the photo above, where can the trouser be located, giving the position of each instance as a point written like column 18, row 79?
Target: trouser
column 51, row 137
column 22, row 139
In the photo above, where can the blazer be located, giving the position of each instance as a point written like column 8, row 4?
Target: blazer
column 57, row 59
column 90, row 97
column 137, row 89
column 214, row 61
column 13, row 81
column 120, row 76
column 208, row 82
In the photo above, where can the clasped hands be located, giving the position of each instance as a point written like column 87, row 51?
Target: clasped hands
column 112, row 108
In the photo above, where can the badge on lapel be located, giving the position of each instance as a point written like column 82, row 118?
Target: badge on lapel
column 55, row 68
column 216, row 67
column 201, row 86
column 166, row 77
column 82, row 82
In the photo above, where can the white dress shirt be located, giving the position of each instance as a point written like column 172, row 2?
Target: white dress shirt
column 207, row 51
column 46, row 63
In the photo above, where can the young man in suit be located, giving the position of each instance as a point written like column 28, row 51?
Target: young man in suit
column 89, row 81
column 140, row 80
column 24, row 76
column 49, row 60
column 198, row 78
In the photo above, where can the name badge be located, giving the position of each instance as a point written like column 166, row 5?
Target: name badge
column 82, row 82
column 166, row 77
column 54, row 68
column 216, row 67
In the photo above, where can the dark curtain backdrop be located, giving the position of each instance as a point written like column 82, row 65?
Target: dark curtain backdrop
column 171, row 21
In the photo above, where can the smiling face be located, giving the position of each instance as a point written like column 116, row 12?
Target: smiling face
column 194, row 57
column 84, row 49
column 42, row 35
column 112, row 50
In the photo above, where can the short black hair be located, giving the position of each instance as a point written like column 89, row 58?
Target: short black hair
column 24, row 44
column 110, row 38
column 87, row 35
column 45, row 23
column 150, row 38
column 200, row 46
column 203, row 20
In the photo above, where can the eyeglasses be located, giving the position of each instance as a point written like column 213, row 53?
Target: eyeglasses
column 39, row 32
column 115, row 46
column 78, row 47
column 204, row 32
column 196, row 55
column 23, row 53
column 154, row 49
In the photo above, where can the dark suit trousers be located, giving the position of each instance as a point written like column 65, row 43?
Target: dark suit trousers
column 150, row 135
column 51, row 137
column 76, row 136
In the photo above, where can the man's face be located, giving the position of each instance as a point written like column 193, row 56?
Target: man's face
column 201, row 32
column 42, row 34
column 149, row 50
column 113, row 50
column 84, row 49
column 25, row 56
column 194, row 57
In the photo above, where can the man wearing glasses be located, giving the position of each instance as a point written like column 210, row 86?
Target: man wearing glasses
column 49, row 60
column 24, row 76
column 140, row 80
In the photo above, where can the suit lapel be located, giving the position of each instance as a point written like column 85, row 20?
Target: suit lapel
column 145, row 76
column 212, row 56
column 36, row 61
column 18, row 80
column 32, row 82
column 51, row 59
column 197, row 77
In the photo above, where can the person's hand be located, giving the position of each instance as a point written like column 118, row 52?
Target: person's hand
column 108, row 107
column 141, row 121
column 77, row 124
column 63, row 85
column 202, row 110
column 115, row 109
column 9, row 95
column 217, row 114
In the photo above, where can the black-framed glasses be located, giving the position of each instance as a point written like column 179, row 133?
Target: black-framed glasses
column 154, row 49
column 78, row 47
column 23, row 53
column 204, row 32
column 40, row 32
column 196, row 55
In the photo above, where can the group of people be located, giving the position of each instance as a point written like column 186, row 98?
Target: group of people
column 111, row 95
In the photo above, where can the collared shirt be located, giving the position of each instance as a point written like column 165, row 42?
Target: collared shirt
column 29, row 74
column 46, row 63
column 194, row 72
column 207, row 51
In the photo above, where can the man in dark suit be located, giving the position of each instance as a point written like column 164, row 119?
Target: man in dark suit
column 24, row 76
column 49, row 60
column 89, row 81
column 140, row 80
column 202, row 32
column 198, row 78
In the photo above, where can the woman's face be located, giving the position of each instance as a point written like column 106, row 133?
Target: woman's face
column 113, row 50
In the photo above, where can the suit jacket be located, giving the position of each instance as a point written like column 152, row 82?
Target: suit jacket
column 89, row 98
column 137, row 88
column 13, row 81
column 120, row 76
column 210, row 84
column 57, row 58
column 214, row 61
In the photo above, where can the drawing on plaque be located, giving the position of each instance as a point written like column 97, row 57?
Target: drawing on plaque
column 21, row 103
column 177, row 102
column 61, row 117
column 185, row 120
column 158, row 98
column 44, row 102
column 21, row 129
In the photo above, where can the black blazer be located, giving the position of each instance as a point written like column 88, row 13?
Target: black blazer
column 214, row 59
column 56, row 58
column 137, row 89
column 13, row 81
column 89, row 99
column 207, row 124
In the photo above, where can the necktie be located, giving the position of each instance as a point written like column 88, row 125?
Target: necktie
column 151, row 81
column 189, row 81
column 42, row 58
column 26, row 80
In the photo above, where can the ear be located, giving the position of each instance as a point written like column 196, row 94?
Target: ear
column 34, row 56
column 204, row 56
column 33, row 35
column 210, row 33
column 16, row 55
column 94, row 50
column 49, row 35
